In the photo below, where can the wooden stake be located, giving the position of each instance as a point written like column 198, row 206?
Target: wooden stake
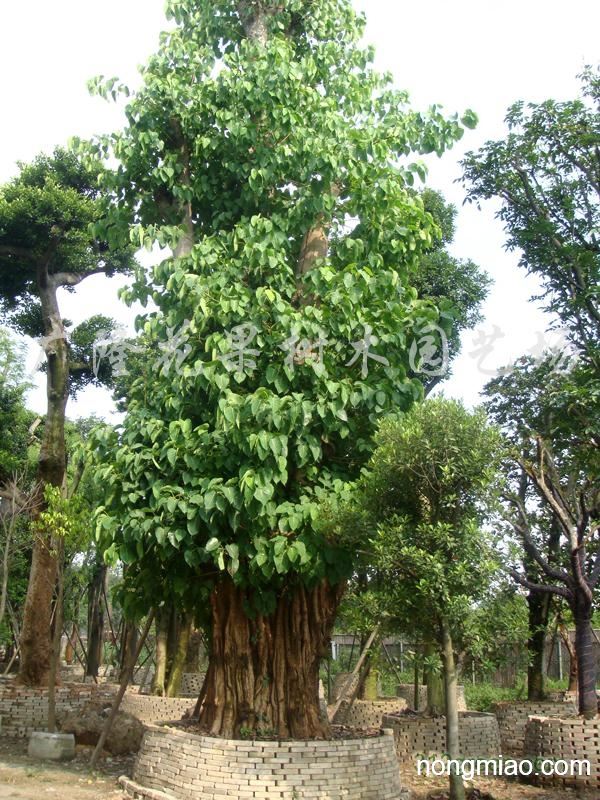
column 128, row 673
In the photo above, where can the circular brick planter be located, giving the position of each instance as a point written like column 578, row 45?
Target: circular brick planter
column 185, row 766
column 407, row 691
column 416, row 735
column 565, row 741
column 512, row 720
column 369, row 713
column 24, row 710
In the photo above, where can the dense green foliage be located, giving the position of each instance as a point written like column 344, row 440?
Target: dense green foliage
column 46, row 214
column 15, row 419
column 428, row 487
column 239, row 148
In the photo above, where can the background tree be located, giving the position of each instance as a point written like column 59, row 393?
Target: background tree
column 546, row 172
column 552, row 501
column 15, row 418
column 427, row 489
column 251, row 173
column 47, row 242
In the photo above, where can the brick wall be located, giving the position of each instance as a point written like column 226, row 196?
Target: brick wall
column 24, row 710
column 565, row 740
column 191, row 684
column 155, row 709
column 190, row 767
column 417, row 735
column 407, row 691
column 512, row 720
column 368, row 713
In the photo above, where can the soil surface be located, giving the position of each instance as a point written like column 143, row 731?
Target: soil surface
column 495, row 789
column 23, row 778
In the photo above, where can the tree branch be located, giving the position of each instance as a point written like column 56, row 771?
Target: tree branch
column 542, row 588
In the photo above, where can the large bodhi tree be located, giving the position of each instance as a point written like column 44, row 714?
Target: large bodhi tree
column 265, row 151
column 47, row 243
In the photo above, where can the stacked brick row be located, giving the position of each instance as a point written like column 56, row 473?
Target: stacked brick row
column 512, row 720
column 191, row 684
column 190, row 767
column 24, row 710
column 565, row 740
column 368, row 713
column 418, row 735
column 150, row 709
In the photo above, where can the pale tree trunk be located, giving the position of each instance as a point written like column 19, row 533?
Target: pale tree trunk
column 457, row 788
column 434, row 681
column 161, row 653
column 35, row 635
column 263, row 672
column 179, row 657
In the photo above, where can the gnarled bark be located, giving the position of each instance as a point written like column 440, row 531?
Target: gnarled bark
column 263, row 672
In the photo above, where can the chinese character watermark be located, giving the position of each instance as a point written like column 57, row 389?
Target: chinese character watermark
column 241, row 357
column 429, row 354
column 363, row 351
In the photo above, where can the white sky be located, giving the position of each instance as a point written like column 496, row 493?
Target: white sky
column 465, row 53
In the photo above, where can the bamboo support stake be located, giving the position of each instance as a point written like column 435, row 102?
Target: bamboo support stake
column 121, row 693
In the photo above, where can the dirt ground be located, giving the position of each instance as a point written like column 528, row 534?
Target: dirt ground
column 499, row 789
column 24, row 779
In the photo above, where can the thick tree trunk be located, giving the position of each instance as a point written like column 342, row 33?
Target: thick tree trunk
column 539, row 614
column 263, row 672
column 95, row 620
column 586, row 661
column 457, row 788
column 35, row 637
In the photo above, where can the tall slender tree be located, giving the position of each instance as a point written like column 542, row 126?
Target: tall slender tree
column 47, row 243
column 418, row 512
